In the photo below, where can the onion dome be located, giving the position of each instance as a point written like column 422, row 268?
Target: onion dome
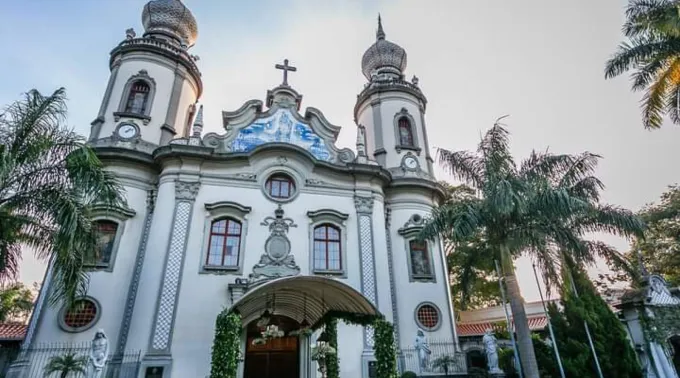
column 383, row 56
column 172, row 19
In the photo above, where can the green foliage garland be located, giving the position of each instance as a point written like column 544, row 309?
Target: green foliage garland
column 347, row 318
column 385, row 350
column 226, row 349
column 332, row 360
column 666, row 323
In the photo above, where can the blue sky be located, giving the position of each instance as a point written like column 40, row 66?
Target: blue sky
column 539, row 61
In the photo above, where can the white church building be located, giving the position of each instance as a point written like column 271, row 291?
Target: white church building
column 213, row 220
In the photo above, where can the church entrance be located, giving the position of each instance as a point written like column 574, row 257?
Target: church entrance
column 274, row 358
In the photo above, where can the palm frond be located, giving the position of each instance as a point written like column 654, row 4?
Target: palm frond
column 462, row 165
column 656, row 97
column 651, row 16
column 457, row 221
column 639, row 52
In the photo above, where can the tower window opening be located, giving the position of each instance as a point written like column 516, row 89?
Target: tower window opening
column 405, row 132
column 138, row 98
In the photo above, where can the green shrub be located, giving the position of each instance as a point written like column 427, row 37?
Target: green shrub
column 409, row 374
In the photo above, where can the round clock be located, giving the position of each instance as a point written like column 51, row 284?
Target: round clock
column 411, row 162
column 127, row 131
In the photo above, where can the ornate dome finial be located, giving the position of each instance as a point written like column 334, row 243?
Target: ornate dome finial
column 383, row 57
column 170, row 18
column 380, row 34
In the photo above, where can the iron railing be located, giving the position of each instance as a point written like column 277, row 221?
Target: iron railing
column 33, row 362
column 440, row 351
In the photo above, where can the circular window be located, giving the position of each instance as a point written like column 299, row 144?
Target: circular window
column 427, row 316
column 280, row 187
column 82, row 315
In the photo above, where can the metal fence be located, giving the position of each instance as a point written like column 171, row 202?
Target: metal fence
column 64, row 359
column 442, row 360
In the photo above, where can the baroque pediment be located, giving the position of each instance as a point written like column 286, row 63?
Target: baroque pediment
column 249, row 128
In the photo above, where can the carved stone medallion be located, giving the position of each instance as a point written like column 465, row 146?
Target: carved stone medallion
column 276, row 260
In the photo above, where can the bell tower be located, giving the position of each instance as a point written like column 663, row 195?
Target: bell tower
column 392, row 109
column 154, row 82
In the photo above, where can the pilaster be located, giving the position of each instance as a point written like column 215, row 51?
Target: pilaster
column 169, row 127
column 95, row 131
column 364, row 208
column 164, row 318
column 390, row 265
column 136, row 275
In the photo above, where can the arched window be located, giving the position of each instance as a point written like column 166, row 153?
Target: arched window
column 421, row 266
column 405, row 132
column 106, row 237
column 280, row 187
column 327, row 248
column 224, row 243
column 138, row 98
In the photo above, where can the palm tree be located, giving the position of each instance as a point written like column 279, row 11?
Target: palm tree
column 443, row 363
column 49, row 181
column 653, row 53
column 544, row 208
column 66, row 364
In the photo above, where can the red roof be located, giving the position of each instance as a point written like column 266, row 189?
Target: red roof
column 12, row 331
column 537, row 323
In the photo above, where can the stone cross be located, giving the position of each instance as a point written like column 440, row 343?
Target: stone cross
column 285, row 67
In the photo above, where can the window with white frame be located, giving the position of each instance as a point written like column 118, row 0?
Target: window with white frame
column 225, row 233
column 224, row 243
column 419, row 254
column 108, row 226
column 328, row 240
column 327, row 248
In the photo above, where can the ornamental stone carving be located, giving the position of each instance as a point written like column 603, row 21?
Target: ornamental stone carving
column 277, row 260
column 363, row 204
column 186, row 190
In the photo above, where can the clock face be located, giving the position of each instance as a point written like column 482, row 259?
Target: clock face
column 411, row 162
column 127, row 131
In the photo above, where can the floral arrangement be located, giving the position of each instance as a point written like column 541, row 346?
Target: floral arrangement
column 271, row 332
column 321, row 351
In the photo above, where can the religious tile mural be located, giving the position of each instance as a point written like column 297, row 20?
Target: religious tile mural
column 281, row 127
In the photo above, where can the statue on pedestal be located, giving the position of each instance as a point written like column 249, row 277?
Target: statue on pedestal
column 491, row 349
column 99, row 353
column 423, row 349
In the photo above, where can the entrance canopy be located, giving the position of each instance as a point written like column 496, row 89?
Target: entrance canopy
column 301, row 297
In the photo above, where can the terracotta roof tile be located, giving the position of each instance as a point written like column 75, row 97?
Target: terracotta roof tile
column 537, row 323
column 12, row 331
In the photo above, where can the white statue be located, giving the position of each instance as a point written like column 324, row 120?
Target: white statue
column 491, row 350
column 99, row 353
column 423, row 349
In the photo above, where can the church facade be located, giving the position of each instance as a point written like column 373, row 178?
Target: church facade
column 212, row 217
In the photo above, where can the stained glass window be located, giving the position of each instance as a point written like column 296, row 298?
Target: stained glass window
column 405, row 132
column 224, row 243
column 138, row 98
column 106, row 236
column 420, row 259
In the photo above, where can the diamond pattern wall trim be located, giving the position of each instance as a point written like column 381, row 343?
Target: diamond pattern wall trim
column 364, row 206
column 171, row 278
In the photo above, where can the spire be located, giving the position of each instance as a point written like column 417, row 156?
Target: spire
column 380, row 34
column 198, row 123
